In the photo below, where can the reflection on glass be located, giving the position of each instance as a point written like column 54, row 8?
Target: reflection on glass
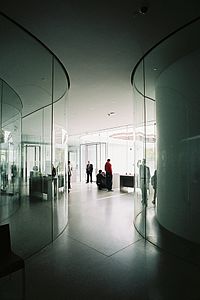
column 167, row 117
column 145, row 149
column 33, row 136
column 10, row 143
column 144, row 175
column 60, row 162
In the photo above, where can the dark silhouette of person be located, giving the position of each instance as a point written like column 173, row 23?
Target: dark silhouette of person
column 89, row 170
column 69, row 175
column 101, row 180
column 54, row 179
column 13, row 172
column 145, row 176
column 108, row 169
column 53, row 171
column 154, row 185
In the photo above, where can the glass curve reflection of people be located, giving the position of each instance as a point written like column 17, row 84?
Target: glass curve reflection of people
column 154, row 185
column 69, row 175
column 108, row 169
column 101, row 180
column 89, row 170
column 54, row 179
column 53, row 171
column 144, row 174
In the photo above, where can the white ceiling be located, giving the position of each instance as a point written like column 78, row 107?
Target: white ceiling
column 99, row 42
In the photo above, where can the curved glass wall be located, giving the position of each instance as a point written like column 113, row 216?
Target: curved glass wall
column 145, row 149
column 166, row 137
column 36, row 154
column 10, row 149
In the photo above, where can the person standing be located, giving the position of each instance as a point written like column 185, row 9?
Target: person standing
column 89, row 170
column 53, row 171
column 154, row 185
column 145, row 176
column 69, row 175
column 108, row 169
column 54, row 179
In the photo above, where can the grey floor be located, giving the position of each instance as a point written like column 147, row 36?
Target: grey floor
column 101, row 256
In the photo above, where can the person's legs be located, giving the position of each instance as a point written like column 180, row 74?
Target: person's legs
column 103, row 183
column 144, row 194
column 154, row 196
column 87, row 178
column 90, row 177
column 143, row 187
column 109, row 181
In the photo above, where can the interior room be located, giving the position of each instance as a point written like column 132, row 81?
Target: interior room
column 99, row 150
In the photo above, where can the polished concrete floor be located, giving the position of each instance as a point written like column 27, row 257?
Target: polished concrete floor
column 101, row 256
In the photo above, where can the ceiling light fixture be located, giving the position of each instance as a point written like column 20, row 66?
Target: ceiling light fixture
column 143, row 10
column 111, row 113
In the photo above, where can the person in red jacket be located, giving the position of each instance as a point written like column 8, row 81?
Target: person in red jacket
column 108, row 169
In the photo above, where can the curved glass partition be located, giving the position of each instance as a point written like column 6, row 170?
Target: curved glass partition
column 33, row 139
column 166, row 137
column 10, row 149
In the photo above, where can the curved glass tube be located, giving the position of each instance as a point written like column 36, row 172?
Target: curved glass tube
column 167, row 130
column 39, row 150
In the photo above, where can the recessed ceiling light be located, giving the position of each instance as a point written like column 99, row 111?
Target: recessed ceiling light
column 111, row 113
column 143, row 10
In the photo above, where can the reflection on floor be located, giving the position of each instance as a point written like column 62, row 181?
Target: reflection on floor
column 8, row 205
column 159, row 236
column 101, row 256
column 31, row 221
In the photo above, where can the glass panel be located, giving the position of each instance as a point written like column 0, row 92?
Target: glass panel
column 151, row 146
column 26, row 163
column 73, row 156
column 169, row 115
column 36, row 192
column 60, row 82
column 141, row 165
column 60, row 153
column 178, row 132
column 96, row 154
column 175, row 100
column 10, row 143
column 92, row 156
column 83, row 162
column 98, row 161
column 103, row 156
column 32, row 81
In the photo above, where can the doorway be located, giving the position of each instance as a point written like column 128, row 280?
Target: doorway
column 32, row 160
column 96, row 154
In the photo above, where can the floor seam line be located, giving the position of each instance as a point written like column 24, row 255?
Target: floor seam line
column 125, row 247
column 87, row 245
